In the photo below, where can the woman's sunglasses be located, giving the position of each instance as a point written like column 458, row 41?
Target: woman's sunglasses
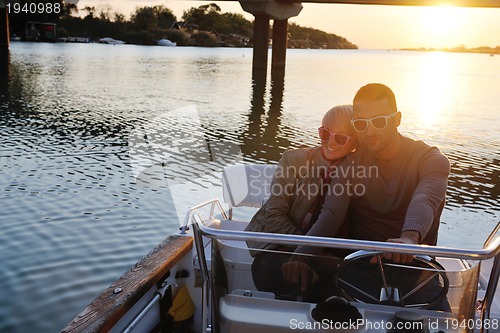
column 340, row 139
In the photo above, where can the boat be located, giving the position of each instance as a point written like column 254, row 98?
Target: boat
column 199, row 280
column 166, row 42
column 112, row 41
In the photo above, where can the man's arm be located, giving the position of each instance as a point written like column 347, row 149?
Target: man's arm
column 430, row 193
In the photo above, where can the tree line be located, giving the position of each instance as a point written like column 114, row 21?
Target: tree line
column 205, row 25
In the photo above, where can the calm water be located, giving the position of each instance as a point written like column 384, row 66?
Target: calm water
column 101, row 146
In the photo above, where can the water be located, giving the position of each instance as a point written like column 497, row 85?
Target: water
column 83, row 196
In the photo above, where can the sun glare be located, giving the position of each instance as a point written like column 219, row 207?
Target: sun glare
column 433, row 87
column 441, row 24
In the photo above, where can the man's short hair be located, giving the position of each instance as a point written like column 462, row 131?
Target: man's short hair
column 375, row 92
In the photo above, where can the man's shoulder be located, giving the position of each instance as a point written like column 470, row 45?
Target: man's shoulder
column 409, row 143
column 418, row 146
column 419, row 152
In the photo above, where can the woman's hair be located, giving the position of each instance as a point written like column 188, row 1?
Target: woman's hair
column 339, row 114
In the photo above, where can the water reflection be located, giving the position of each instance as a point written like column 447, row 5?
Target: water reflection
column 434, row 85
column 263, row 139
column 67, row 184
column 4, row 67
column 474, row 182
column 276, row 110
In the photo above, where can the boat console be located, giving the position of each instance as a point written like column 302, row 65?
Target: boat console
column 380, row 297
column 437, row 292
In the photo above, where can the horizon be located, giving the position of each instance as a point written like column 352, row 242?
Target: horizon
column 390, row 27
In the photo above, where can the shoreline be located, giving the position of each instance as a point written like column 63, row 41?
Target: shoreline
column 483, row 50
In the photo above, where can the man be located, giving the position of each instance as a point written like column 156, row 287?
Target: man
column 392, row 189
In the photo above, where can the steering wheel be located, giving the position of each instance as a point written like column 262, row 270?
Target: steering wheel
column 421, row 284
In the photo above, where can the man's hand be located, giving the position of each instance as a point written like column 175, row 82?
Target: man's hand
column 296, row 271
column 407, row 237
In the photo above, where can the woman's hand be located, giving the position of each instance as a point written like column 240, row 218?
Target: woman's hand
column 296, row 271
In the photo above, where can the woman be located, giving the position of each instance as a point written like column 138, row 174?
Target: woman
column 297, row 191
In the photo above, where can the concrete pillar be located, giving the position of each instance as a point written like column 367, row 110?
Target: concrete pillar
column 280, row 43
column 4, row 27
column 275, row 9
column 260, row 42
column 271, row 9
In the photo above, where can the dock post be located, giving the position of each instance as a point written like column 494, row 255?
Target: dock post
column 260, row 42
column 4, row 28
column 280, row 43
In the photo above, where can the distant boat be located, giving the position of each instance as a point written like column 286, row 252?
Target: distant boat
column 109, row 40
column 166, row 42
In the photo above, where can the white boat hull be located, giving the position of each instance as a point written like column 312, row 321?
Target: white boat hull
column 166, row 42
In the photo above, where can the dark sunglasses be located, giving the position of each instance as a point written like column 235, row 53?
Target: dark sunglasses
column 340, row 139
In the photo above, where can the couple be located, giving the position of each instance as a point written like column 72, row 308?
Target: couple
column 375, row 184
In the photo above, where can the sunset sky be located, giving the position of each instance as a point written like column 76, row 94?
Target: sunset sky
column 378, row 27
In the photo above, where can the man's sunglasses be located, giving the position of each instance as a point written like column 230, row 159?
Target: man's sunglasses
column 379, row 122
column 340, row 139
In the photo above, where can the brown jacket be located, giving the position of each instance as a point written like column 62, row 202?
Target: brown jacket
column 296, row 185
